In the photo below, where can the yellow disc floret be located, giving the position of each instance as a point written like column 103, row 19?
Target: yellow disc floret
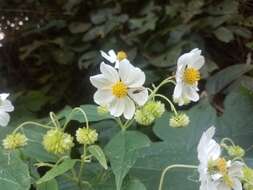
column 221, row 165
column 121, row 55
column 191, row 76
column 119, row 89
column 57, row 142
column 15, row 140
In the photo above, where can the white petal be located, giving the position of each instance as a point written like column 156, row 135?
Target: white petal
column 4, row 119
column 132, row 76
column 178, row 90
column 191, row 93
column 4, row 96
column 197, row 62
column 129, row 108
column 6, row 106
column 103, row 97
column 208, row 148
column 100, row 81
column 111, row 56
column 223, row 186
column 183, row 60
column 236, row 169
column 117, row 107
column 237, row 184
column 116, row 64
column 140, row 96
column 109, row 72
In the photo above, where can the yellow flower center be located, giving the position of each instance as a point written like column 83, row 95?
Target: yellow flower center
column 221, row 165
column 191, row 76
column 121, row 55
column 119, row 89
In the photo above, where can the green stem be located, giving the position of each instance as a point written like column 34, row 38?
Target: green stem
column 170, row 167
column 31, row 123
column 71, row 114
column 120, row 123
column 165, row 81
column 172, row 107
column 82, row 165
column 128, row 124
column 54, row 119
column 227, row 139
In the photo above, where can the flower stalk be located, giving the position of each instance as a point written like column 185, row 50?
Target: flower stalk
column 171, row 167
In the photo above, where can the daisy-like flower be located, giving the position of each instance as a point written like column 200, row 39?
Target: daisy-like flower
column 120, row 89
column 187, row 77
column 216, row 173
column 5, row 107
column 112, row 57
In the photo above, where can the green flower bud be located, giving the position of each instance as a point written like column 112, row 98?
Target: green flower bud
column 57, row 142
column 14, row 141
column 247, row 174
column 248, row 178
column 247, row 186
column 144, row 118
column 179, row 120
column 147, row 114
column 156, row 108
column 86, row 136
column 235, row 151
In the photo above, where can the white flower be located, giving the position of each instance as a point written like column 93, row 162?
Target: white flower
column 5, row 107
column 215, row 172
column 187, row 76
column 119, row 89
column 115, row 58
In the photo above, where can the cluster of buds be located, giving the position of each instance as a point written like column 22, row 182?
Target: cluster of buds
column 147, row 114
column 14, row 141
column 57, row 142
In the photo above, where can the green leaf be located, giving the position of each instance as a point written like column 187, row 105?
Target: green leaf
column 221, row 79
column 79, row 27
column 202, row 116
column 14, row 173
column 224, row 34
column 87, row 59
column 122, row 152
column 90, row 110
column 34, row 149
column 49, row 185
column 236, row 121
column 168, row 58
column 57, row 170
column 179, row 146
column 98, row 153
column 135, row 184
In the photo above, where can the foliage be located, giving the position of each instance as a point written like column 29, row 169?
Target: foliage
column 46, row 66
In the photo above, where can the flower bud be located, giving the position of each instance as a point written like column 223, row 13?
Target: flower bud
column 248, row 178
column 57, row 142
column 235, row 151
column 14, row 141
column 156, row 108
column 179, row 120
column 144, row 118
column 86, row 136
column 147, row 114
